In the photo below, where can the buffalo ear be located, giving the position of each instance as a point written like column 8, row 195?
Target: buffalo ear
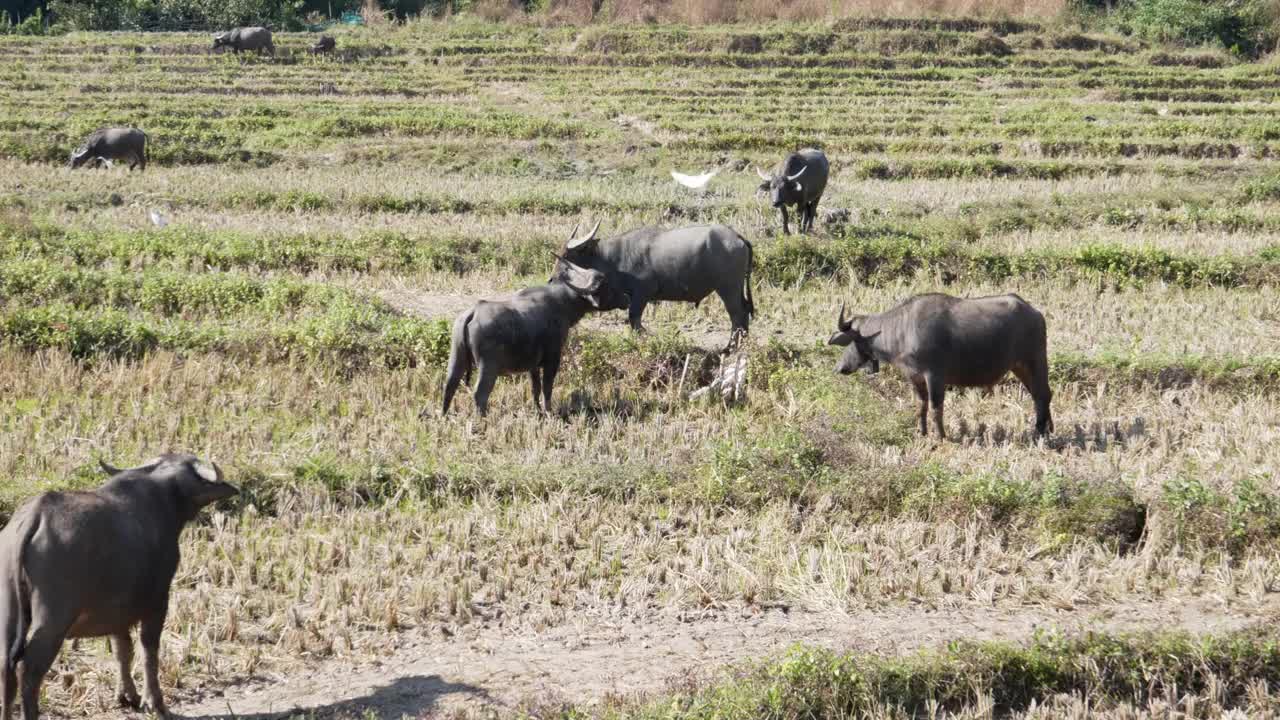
column 841, row 338
column 110, row 470
column 581, row 280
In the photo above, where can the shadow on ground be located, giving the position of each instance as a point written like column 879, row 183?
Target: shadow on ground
column 412, row 696
column 1091, row 437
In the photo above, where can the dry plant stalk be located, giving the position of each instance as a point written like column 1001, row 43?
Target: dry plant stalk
column 731, row 380
column 374, row 15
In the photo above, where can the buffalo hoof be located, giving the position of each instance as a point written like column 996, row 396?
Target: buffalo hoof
column 157, row 709
column 129, row 699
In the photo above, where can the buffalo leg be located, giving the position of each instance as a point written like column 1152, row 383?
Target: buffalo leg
column 150, row 635
column 535, row 379
column 636, row 313
column 922, row 392
column 1036, row 381
column 937, row 392
column 42, row 648
column 10, row 681
column 736, row 304
column 786, row 230
column 550, row 368
column 126, row 692
column 484, row 387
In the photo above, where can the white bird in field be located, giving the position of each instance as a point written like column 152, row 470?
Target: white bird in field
column 157, row 219
column 696, row 182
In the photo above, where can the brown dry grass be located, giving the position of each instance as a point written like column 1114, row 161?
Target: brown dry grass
column 712, row 12
column 610, row 500
column 374, row 16
column 1019, row 9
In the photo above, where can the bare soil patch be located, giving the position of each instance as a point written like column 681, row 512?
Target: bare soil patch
column 427, row 673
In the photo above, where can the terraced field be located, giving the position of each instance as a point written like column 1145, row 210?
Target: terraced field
column 640, row 552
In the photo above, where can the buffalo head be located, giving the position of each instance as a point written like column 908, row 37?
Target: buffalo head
column 782, row 189
column 858, row 352
column 223, row 40
column 193, row 481
column 580, row 254
column 79, row 157
column 591, row 285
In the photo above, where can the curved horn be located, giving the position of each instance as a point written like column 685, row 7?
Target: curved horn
column 841, row 323
column 584, row 240
column 763, row 177
column 110, row 470
column 793, row 177
column 572, row 234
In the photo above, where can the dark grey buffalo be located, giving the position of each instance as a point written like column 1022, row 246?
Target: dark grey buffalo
column 682, row 265
column 524, row 334
column 253, row 39
column 325, row 44
column 112, row 144
column 800, row 180
column 941, row 341
column 87, row 564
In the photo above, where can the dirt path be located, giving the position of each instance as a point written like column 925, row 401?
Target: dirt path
column 427, row 674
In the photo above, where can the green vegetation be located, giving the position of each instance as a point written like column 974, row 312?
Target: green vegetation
column 1108, row 670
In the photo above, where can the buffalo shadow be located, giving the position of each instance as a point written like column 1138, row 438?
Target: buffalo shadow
column 414, row 696
column 1085, row 437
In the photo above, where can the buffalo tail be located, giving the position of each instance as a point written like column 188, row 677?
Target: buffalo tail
column 459, row 358
column 21, row 603
column 751, row 261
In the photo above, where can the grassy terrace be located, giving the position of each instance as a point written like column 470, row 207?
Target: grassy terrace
column 329, row 217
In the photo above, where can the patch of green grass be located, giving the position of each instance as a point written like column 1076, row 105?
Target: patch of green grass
column 1108, row 669
column 1054, row 507
column 1245, row 516
column 877, row 255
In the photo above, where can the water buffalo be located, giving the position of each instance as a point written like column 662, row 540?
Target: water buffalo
column 325, row 44
column 681, row 265
column 246, row 38
column 800, row 181
column 112, row 144
column 524, row 334
column 940, row 341
column 88, row 564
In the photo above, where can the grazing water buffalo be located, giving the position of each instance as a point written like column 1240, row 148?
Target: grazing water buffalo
column 325, row 44
column 87, row 564
column 939, row 340
column 524, row 334
column 682, row 265
column 800, row 181
column 112, row 144
column 246, row 38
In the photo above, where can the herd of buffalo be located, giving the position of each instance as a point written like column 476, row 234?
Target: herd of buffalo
column 90, row 564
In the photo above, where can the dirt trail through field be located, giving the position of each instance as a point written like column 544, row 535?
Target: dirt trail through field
column 429, row 674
